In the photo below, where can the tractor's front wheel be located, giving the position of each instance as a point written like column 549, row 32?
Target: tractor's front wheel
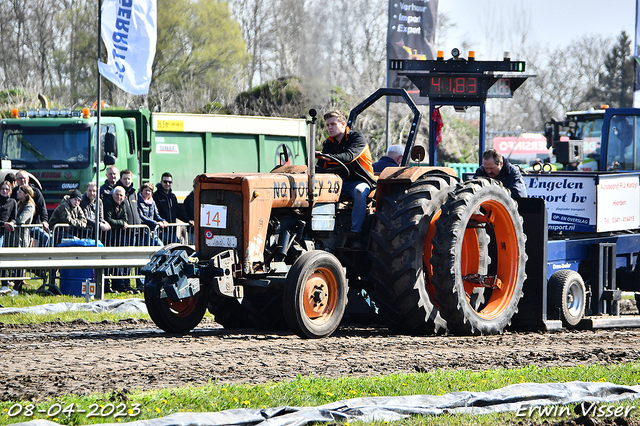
column 175, row 316
column 315, row 295
column 479, row 204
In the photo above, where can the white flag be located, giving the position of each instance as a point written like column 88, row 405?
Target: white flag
column 129, row 33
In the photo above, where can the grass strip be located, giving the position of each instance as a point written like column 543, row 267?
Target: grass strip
column 129, row 405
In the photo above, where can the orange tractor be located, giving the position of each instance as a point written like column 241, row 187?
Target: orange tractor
column 440, row 253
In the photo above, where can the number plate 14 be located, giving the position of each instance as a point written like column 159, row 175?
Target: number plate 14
column 212, row 216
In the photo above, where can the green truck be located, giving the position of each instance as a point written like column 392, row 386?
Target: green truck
column 57, row 146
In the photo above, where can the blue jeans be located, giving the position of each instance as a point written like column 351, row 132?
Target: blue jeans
column 41, row 236
column 358, row 191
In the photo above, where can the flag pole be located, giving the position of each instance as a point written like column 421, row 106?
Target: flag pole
column 98, row 130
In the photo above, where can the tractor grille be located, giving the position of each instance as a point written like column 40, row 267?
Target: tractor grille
column 225, row 230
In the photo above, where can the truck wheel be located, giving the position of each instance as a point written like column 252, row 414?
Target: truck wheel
column 566, row 291
column 473, row 204
column 178, row 316
column 400, row 253
column 315, row 295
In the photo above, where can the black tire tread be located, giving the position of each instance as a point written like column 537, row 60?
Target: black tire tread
column 556, row 295
column 397, row 246
column 292, row 308
column 450, row 231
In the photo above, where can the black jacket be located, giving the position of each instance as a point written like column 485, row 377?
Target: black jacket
column 187, row 212
column 105, row 189
column 8, row 210
column 510, row 177
column 167, row 204
column 131, row 204
column 116, row 217
column 354, row 152
column 383, row 163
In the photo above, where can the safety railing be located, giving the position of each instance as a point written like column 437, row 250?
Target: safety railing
column 100, row 259
column 81, row 242
column 24, row 236
column 182, row 233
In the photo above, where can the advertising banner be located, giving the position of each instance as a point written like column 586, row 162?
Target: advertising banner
column 636, row 62
column 527, row 144
column 618, row 203
column 588, row 202
column 410, row 35
column 129, row 33
column 571, row 200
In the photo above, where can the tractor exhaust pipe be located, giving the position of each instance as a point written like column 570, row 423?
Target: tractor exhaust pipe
column 311, row 159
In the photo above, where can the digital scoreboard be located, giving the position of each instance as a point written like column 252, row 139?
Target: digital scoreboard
column 461, row 86
column 461, row 79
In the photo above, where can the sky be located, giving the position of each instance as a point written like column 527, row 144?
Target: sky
column 553, row 23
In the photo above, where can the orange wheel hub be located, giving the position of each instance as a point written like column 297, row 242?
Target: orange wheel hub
column 320, row 296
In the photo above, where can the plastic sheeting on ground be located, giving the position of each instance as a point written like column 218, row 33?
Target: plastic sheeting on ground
column 116, row 306
column 517, row 398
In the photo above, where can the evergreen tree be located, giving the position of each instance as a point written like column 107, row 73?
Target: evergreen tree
column 616, row 82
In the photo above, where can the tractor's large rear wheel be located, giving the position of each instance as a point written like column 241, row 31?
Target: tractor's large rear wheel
column 315, row 295
column 400, row 252
column 478, row 204
column 175, row 316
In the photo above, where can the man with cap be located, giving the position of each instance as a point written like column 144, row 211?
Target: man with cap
column 69, row 212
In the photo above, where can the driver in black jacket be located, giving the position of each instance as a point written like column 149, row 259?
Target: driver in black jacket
column 352, row 149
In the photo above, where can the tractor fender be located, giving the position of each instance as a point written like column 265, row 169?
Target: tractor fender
column 394, row 176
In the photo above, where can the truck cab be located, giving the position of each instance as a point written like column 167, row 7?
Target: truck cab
column 56, row 146
column 607, row 139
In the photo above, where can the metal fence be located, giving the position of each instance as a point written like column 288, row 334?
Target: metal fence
column 63, row 235
column 24, row 236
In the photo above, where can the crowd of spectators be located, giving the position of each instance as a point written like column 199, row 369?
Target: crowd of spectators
column 125, row 217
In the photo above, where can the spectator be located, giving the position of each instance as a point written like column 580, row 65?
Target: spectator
column 131, row 198
column 25, row 212
column 115, row 213
column 8, row 209
column 392, row 159
column 187, row 212
column 110, row 182
column 88, row 206
column 495, row 166
column 11, row 178
column 165, row 199
column 149, row 212
column 40, row 215
column 69, row 212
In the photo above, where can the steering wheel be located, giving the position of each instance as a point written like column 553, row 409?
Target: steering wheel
column 341, row 169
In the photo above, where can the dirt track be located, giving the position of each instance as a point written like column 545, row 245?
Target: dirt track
column 55, row 359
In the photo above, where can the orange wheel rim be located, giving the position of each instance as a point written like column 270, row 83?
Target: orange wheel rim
column 320, row 297
column 426, row 256
column 183, row 307
column 507, row 260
